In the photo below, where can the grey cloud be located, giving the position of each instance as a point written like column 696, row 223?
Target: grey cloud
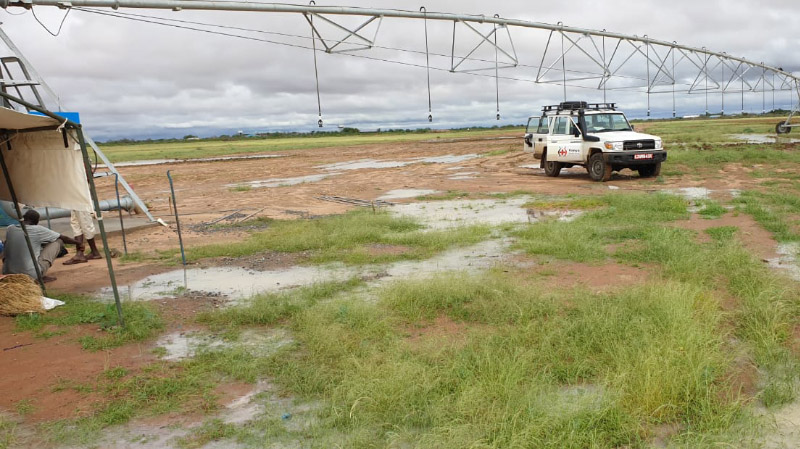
column 129, row 78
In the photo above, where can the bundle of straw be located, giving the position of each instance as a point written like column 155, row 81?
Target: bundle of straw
column 19, row 294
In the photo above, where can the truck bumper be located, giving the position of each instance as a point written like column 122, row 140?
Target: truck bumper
column 628, row 158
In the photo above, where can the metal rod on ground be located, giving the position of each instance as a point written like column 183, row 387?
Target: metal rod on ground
column 178, row 224
column 119, row 208
column 87, row 165
column 13, row 194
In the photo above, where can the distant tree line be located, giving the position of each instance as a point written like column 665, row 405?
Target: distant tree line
column 310, row 134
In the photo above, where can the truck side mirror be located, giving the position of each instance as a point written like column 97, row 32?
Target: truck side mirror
column 632, row 128
column 577, row 133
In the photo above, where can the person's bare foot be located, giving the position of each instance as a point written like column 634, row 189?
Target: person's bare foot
column 48, row 278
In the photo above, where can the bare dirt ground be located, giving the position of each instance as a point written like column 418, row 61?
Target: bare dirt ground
column 206, row 193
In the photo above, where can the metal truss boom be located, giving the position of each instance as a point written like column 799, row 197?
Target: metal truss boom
column 178, row 5
column 657, row 57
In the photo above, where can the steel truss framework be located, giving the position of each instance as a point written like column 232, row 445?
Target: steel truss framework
column 607, row 59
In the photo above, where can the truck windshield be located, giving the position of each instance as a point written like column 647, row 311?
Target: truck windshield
column 600, row 123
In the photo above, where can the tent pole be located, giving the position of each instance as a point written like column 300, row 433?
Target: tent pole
column 88, row 168
column 21, row 220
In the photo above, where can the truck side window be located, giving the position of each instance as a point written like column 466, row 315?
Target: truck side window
column 543, row 128
column 561, row 125
column 572, row 127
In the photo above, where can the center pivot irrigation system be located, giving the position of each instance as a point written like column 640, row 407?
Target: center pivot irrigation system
column 571, row 57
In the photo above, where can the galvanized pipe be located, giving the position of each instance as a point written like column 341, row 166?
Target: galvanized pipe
column 105, row 205
column 178, row 5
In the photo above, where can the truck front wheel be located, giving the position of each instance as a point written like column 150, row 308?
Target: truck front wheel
column 599, row 170
column 551, row 168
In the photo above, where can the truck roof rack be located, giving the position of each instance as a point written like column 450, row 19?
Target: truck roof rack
column 578, row 105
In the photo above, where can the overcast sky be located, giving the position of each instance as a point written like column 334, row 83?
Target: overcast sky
column 134, row 79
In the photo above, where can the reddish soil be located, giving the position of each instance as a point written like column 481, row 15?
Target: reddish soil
column 751, row 234
column 596, row 278
column 33, row 366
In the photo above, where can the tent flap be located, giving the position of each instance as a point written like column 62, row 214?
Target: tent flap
column 45, row 173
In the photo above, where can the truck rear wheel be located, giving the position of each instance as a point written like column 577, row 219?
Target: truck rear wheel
column 599, row 170
column 648, row 171
column 551, row 168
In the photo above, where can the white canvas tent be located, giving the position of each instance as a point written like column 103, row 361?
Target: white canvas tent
column 45, row 163
column 43, row 171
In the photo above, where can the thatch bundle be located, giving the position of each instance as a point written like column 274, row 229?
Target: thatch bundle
column 19, row 294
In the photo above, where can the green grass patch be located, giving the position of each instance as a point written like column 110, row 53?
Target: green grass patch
column 722, row 233
column 271, row 308
column 776, row 210
column 625, row 217
column 357, row 237
column 445, row 196
column 522, row 366
column 241, row 188
column 8, row 432
column 211, row 430
column 710, row 209
column 141, row 321
column 569, row 202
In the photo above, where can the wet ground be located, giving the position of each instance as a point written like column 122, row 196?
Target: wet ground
column 290, row 186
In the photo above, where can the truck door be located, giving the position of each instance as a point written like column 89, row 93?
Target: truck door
column 530, row 130
column 562, row 145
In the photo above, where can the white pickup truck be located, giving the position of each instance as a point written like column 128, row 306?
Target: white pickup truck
column 594, row 135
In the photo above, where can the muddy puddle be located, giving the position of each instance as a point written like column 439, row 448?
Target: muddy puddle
column 399, row 194
column 262, row 401
column 787, row 259
column 238, row 283
column 460, row 176
column 231, row 282
column 377, row 164
column 456, row 213
column 763, row 138
column 181, row 345
column 202, row 159
column 281, row 182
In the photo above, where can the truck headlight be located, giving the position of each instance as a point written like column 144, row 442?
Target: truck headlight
column 614, row 146
column 659, row 145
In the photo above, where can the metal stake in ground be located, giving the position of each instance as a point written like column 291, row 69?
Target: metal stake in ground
column 178, row 224
column 90, row 179
column 119, row 208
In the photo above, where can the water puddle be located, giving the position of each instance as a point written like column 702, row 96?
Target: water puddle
column 787, row 259
column 282, row 182
column 464, row 175
column 691, row 193
column 238, row 283
column 455, row 213
column 375, row 164
column 182, row 345
column 473, row 258
column 398, row 194
column 202, row 159
column 232, row 282
column 763, row 138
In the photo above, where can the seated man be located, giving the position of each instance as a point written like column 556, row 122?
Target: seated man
column 46, row 246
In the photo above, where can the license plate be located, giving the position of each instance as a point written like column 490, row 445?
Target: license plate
column 643, row 156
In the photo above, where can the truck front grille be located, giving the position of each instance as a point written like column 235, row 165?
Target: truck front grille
column 649, row 144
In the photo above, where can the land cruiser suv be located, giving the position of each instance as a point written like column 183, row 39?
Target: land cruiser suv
column 594, row 135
